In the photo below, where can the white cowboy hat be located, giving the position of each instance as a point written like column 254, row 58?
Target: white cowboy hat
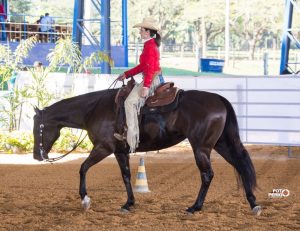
column 149, row 23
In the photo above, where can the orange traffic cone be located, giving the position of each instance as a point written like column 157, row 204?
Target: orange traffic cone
column 141, row 184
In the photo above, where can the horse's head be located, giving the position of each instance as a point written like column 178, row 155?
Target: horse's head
column 45, row 133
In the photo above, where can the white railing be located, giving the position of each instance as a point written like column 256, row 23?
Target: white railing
column 268, row 108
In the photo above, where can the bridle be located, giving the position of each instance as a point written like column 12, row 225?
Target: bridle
column 41, row 144
column 42, row 126
column 41, row 147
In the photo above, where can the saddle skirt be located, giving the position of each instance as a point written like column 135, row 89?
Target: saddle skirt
column 165, row 97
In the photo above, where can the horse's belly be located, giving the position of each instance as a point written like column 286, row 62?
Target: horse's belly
column 162, row 142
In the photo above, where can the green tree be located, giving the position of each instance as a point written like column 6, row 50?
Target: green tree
column 20, row 7
column 167, row 12
column 251, row 21
column 206, row 21
column 61, row 10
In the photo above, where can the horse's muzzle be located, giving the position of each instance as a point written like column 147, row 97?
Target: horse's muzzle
column 40, row 155
column 37, row 157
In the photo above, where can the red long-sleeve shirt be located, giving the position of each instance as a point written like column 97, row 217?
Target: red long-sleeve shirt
column 149, row 63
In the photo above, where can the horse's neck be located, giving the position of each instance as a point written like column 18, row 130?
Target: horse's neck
column 78, row 111
column 72, row 116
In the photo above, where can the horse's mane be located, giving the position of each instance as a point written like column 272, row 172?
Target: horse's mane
column 89, row 99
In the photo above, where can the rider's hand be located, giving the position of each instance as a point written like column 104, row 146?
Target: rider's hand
column 144, row 92
column 121, row 77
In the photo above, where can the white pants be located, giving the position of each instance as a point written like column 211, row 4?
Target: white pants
column 133, row 104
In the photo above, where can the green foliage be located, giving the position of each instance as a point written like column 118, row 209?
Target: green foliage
column 12, row 62
column 19, row 7
column 23, row 49
column 63, row 10
column 6, row 66
column 12, row 111
column 22, row 142
column 5, row 74
column 67, row 140
column 38, row 89
column 65, row 52
column 2, row 141
column 97, row 57
column 15, row 100
column 16, row 141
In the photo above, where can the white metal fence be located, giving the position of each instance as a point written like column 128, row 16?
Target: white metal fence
column 268, row 108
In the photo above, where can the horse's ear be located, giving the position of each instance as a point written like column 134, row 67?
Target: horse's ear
column 37, row 111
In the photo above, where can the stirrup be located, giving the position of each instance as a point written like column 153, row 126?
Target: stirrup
column 119, row 137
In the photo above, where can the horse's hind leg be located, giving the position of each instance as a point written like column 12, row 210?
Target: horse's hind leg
column 123, row 161
column 202, row 157
column 96, row 155
column 236, row 154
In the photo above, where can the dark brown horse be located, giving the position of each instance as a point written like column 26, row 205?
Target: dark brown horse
column 207, row 120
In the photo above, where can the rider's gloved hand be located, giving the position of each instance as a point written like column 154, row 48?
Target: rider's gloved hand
column 121, row 77
column 144, row 92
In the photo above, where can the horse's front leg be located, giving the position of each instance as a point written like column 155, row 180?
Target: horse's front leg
column 123, row 160
column 96, row 155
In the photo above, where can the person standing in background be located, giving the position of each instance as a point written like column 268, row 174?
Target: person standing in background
column 46, row 26
column 3, row 17
column 39, row 22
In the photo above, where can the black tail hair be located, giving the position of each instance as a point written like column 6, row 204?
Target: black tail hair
column 236, row 154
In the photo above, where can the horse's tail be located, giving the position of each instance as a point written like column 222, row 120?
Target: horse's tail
column 231, row 148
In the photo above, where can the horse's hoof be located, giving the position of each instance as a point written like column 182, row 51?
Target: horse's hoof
column 189, row 211
column 257, row 210
column 86, row 203
column 193, row 209
column 124, row 210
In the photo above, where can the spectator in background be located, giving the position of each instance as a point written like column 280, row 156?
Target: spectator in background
column 46, row 26
column 38, row 66
column 2, row 21
column 39, row 22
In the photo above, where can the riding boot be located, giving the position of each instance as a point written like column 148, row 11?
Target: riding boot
column 121, row 129
column 121, row 136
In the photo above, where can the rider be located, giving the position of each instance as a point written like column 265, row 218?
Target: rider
column 149, row 66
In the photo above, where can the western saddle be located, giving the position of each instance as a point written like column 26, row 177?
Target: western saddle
column 164, row 94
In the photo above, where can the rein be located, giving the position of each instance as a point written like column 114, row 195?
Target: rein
column 42, row 150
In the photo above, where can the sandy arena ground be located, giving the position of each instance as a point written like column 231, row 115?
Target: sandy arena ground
column 45, row 197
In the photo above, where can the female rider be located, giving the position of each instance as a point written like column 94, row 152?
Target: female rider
column 149, row 66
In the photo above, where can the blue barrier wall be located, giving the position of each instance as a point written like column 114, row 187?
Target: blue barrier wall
column 41, row 50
